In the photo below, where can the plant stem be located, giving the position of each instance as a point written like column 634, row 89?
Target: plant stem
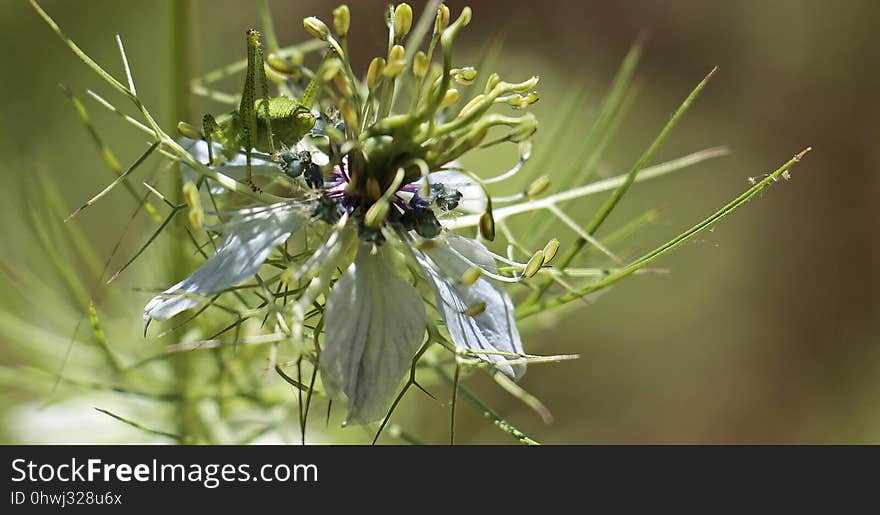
column 531, row 309
column 178, row 15
column 621, row 190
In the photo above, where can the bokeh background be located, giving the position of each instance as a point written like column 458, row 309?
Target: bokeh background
column 767, row 329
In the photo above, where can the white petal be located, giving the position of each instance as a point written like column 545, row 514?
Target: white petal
column 318, row 156
column 473, row 197
column 199, row 150
column 495, row 328
column 235, row 168
column 374, row 326
column 248, row 241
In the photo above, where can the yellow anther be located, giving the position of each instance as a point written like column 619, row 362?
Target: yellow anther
column 316, row 27
column 442, row 20
column 550, row 250
column 420, row 64
column 534, row 264
column 188, row 131
column 538, row 186
column 341, row 19
column 470, row 106
column 475, row 309
column 449, row 98
column 377, row 213
column 470, row 276
column 374, row 73
column 403, row 17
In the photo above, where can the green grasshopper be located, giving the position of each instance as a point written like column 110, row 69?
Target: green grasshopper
column 257, row 122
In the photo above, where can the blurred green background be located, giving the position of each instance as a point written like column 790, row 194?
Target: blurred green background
column 766, row 331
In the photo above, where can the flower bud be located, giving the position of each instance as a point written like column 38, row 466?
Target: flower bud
column 538, row 186
column 550, row 250
column 341, row 19
column 316, row 28
column 374, row 72
column 420, row 64
column 534, row 264
column 403, row 17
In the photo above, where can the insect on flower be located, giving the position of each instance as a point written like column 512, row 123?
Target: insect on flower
column 259, row 122
column 388, row 180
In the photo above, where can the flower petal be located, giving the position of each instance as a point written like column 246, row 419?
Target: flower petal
column 495, row 328
column 374, row 326
column 235, row 168
column 248, row 241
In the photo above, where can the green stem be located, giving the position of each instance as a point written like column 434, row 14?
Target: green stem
column 621, row 190
column 268, row 27
column 531, row 309
column 178, row 14
column 487, row 411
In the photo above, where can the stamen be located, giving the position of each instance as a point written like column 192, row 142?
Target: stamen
column 525, row 152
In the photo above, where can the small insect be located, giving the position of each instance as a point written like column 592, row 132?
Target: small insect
column 295, row 164
column 328, row 210
column 260, row 123
column 445, row 198
column 422, row 221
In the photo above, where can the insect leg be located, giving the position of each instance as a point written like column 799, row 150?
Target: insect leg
column 209, row 125
column 246, row 111
column 264, row 103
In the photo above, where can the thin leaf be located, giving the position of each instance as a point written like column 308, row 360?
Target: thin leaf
column 531, row 309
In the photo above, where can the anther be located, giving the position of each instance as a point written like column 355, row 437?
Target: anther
column 534, row 264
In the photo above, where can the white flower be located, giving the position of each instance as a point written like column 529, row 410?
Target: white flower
column 495, row 328
column 375, row 324
column 375, row 320
column 248, row 240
